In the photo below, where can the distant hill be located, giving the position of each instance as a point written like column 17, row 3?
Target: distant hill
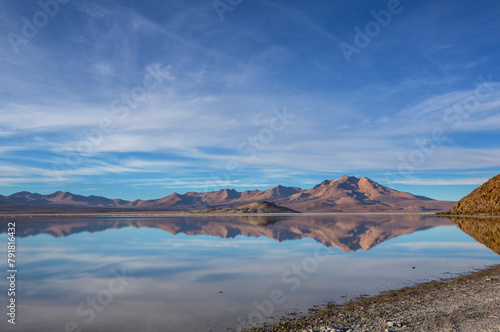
column 346, row 194
column 259, row 207
column 483, row 200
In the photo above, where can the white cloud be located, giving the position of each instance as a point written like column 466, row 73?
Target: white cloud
column 441, row 182
column 465, row 110
column 93, row 10
column 103, row 69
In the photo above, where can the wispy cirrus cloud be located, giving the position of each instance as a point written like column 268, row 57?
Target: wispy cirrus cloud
column 451, row 182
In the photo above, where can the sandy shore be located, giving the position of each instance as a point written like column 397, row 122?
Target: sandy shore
column 466, row 303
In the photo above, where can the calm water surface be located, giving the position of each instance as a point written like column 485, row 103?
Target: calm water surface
column 214, row 273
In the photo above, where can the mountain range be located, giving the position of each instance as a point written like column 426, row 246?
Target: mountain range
column 346, row 194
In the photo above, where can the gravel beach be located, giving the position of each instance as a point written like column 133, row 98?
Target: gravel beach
column 466, row 303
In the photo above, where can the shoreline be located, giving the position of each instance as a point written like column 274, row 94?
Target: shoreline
column 469, row 302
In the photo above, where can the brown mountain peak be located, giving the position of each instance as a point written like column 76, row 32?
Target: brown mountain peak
column 483, row 200
column 227, row 190
column 282, row 191
column 229, row 193
column 343, row 179
column 21, row 193
column 326, row 183
column 347, row 179
column 365, row 182
column 59, row 195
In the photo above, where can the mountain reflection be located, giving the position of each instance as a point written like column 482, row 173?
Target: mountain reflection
column 483, row 230
column 347, row 232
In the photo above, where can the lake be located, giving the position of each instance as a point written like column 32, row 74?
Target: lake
column 215, row 273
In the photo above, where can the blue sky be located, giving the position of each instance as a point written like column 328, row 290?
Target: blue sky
column 138, row 99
